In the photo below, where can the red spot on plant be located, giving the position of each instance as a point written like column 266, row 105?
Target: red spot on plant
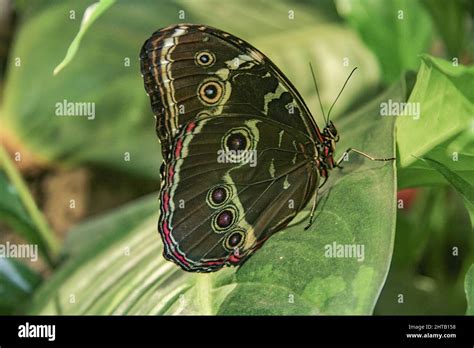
column 408, row 196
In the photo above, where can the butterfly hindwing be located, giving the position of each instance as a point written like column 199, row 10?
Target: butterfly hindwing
column 216, row 208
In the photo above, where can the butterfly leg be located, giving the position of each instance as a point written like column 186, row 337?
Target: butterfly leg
column 313, row 209
column 338, row 162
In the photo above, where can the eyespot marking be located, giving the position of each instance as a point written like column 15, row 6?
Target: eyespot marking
column 210, row 92
column 234, row 240
column 236, row 141
column 225, row 219
column 205, row 58
column 218, row 195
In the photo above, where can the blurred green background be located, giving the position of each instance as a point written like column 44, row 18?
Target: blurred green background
column 106, row 167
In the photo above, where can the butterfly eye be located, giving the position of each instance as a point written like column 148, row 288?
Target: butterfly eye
column 210, row 92
column 205, row 58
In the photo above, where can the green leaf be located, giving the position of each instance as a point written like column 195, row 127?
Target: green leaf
column 96, row 229
column 292, row 266
column 19, row 210
column 470, row 210
column 445, row 98
column 122, row 270
column 293, row 50
column 14, row 214
column 90, row 15
column 17, row 283
column 426, row 267
column 396, row 31
column 105, row 71
column 456, row 153
column 469, row 288
column 450, row 139
column 123, row 123
column 450, row 19
column 463, row 187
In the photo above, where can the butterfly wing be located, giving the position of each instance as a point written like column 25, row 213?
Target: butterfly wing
column 216, row 207
column 192, row 71
column 213, row 93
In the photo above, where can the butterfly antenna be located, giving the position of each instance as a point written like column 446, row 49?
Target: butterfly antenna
column 345, row 83
column 317, row 92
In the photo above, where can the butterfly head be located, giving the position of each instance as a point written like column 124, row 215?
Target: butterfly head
column 330, row 132
column 325, row 160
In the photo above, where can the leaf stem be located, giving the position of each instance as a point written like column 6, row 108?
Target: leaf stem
column 46, row 234
column 203, row 292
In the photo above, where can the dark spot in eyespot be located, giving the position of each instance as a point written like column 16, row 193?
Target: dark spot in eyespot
column 204, row 58
column 210, row 91
column 218, row 195
column 235, row 239
column 224, row 219
column 236, row 142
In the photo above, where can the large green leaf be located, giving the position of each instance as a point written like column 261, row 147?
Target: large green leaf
column 397, row 31
column 118, row 268
column 358, row 209
column 122, row 271
column 444, row 129
column 98, row 74
column 445, row 95
column 105, row 71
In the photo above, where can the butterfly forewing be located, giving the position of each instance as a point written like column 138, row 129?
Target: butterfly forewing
column 191, row 71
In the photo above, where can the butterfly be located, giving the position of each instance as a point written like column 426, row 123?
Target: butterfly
column 242, row 154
